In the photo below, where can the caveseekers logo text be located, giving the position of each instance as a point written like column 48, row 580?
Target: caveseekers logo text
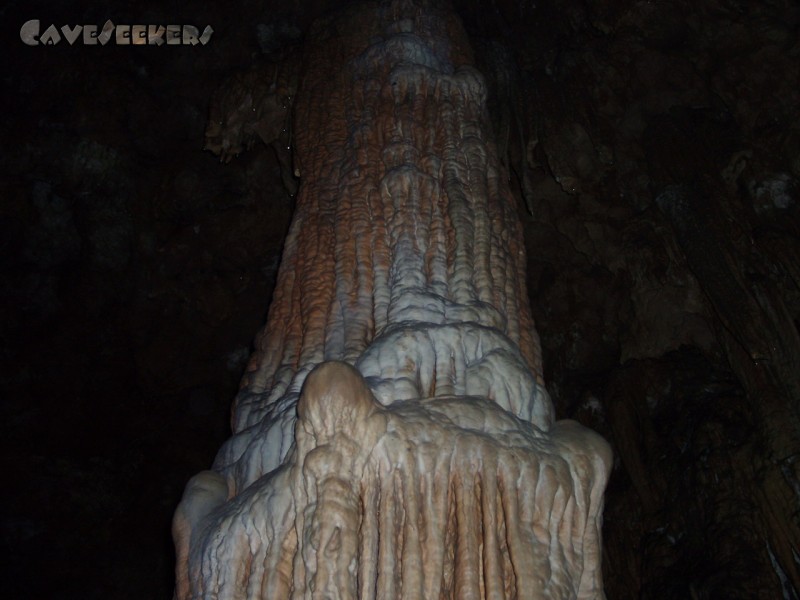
column 123, row 35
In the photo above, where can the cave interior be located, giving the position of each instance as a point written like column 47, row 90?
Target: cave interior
column 653, row 148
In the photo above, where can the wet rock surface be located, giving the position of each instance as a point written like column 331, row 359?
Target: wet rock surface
column 655, row 151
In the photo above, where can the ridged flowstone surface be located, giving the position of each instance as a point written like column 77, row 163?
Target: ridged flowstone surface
column 392, row 436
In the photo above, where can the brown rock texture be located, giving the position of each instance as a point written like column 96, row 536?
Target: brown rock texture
column 392, row 436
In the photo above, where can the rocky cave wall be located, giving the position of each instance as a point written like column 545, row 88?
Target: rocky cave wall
column 656, row 145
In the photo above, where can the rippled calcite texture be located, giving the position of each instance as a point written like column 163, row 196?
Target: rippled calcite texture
column 393, row 437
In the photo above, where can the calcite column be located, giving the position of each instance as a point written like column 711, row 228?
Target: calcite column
column 392, row 436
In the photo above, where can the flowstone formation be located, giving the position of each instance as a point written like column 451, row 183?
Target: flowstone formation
column 393, row 437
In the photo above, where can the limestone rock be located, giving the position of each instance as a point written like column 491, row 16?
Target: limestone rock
column 393, row 436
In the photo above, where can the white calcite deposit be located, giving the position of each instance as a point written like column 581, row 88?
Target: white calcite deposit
column 393, row 437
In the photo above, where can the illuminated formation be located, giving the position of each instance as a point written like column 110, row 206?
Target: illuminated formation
column 392, row 436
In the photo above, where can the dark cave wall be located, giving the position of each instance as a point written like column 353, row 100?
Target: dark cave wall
column 135, row 271
column 660, row 161
column 661, row 274
column 655, row 149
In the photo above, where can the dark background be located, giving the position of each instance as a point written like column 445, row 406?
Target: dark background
column 657, row 144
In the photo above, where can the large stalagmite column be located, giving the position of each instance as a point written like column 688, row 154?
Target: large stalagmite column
column 392, row 437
